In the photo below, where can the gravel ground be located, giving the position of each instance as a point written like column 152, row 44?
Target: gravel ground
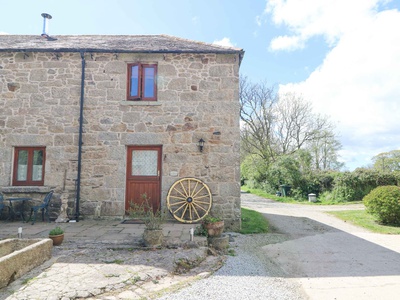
column 246, row 275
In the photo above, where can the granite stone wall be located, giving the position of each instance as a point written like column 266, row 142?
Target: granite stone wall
column 197, row 98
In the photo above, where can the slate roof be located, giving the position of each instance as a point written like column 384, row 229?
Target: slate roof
column 110, row 43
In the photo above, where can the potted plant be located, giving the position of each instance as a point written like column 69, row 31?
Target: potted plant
column 213, row 225
column 153, row 220
column 57, row 235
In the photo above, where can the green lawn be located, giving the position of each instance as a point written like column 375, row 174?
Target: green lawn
column 264, row 194
column 363, row 219
column 253, row 222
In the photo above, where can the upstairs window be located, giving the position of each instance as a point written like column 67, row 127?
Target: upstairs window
column 142, row 82
column 29, row 166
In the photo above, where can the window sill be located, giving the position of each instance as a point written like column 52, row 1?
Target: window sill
column 140, row 103
column 25, row 189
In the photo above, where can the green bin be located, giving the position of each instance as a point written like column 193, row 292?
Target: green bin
column 285, row 190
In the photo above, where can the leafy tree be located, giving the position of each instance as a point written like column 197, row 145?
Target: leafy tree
column 253, row 171
column 387, row 161
column 285, row 170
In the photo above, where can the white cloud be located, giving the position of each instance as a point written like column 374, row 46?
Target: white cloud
column 328, row 18
column 358, row 82
column 226, row 42
column 289, row 43
column 3, row 33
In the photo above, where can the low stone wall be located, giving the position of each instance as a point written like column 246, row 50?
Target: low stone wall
column 18, row 256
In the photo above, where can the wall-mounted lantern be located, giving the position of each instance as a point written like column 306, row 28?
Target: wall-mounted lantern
column 201, row 144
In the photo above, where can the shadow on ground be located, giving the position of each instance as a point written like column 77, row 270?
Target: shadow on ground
column 313, row 249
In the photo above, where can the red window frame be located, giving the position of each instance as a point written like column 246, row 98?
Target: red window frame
column 29, row 181
column 141, row 88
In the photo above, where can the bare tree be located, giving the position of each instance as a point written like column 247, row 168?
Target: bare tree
column 324, row 153
column 256, row 113
column 275, row 125
column 296, row 124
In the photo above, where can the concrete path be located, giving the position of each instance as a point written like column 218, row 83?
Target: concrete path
column 330, row 258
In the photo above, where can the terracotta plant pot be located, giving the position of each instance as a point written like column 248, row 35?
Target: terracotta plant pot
column 214, row 229
column 153, row 238
column 57, row 239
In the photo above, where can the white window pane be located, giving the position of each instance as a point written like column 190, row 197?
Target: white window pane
column 144, row 162
column 37, row 173
column 22, row 172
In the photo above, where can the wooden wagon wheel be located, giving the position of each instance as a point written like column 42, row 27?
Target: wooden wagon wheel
column 189, row 200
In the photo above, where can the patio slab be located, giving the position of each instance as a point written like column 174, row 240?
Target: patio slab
column 95, row 230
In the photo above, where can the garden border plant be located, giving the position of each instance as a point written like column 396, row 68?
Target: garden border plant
column 384, row 203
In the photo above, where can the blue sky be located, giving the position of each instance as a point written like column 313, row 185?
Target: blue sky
column 342, row 55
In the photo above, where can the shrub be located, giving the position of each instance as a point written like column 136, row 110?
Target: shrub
column 56, row 231
column 384, row 203
column 153, row 219
column 252, row 170
column 350, row 186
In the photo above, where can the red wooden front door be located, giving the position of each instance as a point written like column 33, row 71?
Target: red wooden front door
column 143, row 175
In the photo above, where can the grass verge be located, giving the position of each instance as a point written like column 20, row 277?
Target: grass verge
column 253, row 222
column 264, row 194
column 363, row 219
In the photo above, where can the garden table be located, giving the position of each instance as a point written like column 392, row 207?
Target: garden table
column 15, row 209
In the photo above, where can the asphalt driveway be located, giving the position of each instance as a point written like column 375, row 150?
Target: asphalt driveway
column 330, row 258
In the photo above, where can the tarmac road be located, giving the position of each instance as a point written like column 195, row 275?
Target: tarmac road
column 330, row 258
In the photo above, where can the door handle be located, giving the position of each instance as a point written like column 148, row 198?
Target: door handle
column 158, row 173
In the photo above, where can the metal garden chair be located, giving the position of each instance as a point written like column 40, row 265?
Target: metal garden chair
column 44, row 207
column 3, row 205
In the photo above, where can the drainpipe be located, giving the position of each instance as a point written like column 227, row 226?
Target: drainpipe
column 78, row 180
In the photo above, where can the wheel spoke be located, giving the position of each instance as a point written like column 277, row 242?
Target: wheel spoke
column 195, row 210
column 195, row 187
column 201, row 202
column 179, row 208
column 199, row 206
column 177, row 203
column 199, row 191
column 178, row 191
column 201, row 197
column 184, row 211
column 184, row 190
column 177, row 197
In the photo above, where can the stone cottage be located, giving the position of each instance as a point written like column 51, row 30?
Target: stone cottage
column 106, row 120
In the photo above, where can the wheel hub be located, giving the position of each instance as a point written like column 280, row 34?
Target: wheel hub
column 189, row 199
